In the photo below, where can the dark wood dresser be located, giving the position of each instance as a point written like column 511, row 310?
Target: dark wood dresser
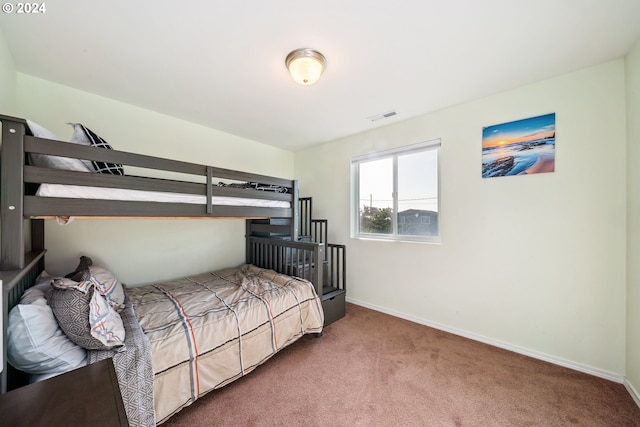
column 88, row 396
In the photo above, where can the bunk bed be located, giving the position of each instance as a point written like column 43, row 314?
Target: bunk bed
column 274, row 245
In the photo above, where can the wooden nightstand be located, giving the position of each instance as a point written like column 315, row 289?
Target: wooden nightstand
column 88, row 396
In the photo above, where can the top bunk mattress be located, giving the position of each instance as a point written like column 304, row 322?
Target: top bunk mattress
column 104, row 193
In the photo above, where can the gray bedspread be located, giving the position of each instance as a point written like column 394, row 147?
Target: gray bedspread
column 134, row 370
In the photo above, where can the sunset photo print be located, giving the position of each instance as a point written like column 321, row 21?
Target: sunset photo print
column 520, row 147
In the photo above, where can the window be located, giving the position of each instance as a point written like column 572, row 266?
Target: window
column 395, row 194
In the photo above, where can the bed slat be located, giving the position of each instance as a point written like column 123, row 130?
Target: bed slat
column 300, row 259
column 14, row 284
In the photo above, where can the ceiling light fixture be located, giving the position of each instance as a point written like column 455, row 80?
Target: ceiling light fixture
column 305, row 65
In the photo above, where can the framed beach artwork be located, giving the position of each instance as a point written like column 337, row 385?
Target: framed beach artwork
column 521, row 147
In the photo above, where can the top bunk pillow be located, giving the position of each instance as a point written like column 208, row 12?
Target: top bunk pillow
column 55, row 162
column 85, row 136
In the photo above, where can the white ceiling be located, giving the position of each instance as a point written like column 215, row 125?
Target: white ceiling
column 221, row 63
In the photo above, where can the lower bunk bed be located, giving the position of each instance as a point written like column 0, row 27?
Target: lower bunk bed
column 181, row 339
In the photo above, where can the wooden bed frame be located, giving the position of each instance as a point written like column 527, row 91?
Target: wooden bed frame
column 19, row 182
column 22, row 214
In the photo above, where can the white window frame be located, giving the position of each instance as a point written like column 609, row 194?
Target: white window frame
column 394, row 153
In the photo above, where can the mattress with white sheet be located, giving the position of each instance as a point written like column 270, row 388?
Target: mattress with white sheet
column 104, row 193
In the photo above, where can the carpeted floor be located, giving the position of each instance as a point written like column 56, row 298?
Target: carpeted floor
column 372, row 369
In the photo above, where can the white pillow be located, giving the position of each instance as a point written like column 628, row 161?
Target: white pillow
column 37, row 345
column 38, row 290
column 55, row 162
column 34, row 378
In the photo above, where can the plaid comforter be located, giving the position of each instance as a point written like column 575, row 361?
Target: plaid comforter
column 208, row 330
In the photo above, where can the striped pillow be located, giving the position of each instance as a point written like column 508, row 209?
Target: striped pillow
column 85, row 136
column 85, row 316
column 104, row 281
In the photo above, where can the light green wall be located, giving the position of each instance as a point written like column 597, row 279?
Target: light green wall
column 531, row 263
column 142, row 251
column 633, row 220
column 7, row 79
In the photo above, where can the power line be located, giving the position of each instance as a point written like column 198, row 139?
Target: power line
column 399, row 200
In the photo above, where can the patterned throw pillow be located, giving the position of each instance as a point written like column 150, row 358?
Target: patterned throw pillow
column 84, row 135
column 104, row 281
column 85, row 316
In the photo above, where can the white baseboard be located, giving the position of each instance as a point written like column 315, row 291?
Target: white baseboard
column 632, row 391
column 536, row 355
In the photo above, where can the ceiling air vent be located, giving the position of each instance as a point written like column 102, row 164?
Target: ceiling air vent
column 382, row 116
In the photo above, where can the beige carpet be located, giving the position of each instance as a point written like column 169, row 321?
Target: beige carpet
column 371, row 369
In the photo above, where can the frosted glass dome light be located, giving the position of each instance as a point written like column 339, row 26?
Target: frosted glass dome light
column 305, row 65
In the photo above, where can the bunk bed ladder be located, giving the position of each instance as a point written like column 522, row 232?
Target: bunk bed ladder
column 333, row 260
column 334, row 272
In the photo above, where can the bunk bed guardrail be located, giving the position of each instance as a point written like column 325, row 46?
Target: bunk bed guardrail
column 297, row 259
column 19, row 180
column 14, row 283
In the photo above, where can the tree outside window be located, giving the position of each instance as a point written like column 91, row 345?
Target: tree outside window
column 397, row 194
